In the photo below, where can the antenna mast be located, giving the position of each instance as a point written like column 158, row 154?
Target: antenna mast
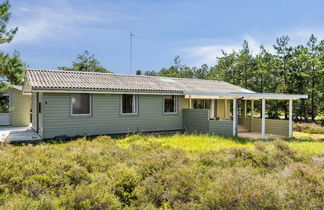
column 130, row 51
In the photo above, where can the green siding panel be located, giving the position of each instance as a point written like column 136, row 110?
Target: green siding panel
column 222, row 127
column 196, row 120
column 246, row 122
column 276, row 127
column 106, row 118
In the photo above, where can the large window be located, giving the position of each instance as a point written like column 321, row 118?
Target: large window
column 81, row 104
column 201, row 104
column 128, row 104
column 170, row 105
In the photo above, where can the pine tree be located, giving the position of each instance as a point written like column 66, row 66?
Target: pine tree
column 85, row 62
column 12, row 68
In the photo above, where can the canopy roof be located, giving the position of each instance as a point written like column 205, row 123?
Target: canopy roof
column 244, row 96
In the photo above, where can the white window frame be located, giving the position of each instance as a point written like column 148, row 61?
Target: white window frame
column 135, row 109
column 90, row 105
column 175, row 104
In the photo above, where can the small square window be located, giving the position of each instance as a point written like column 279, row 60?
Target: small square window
column 80, row 104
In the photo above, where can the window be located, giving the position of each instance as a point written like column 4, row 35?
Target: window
column 128, row 104
column 80, row 104
column 4, row 104
column 201, row 104
column 170, row 104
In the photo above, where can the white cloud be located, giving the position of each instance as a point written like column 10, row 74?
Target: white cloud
column 207, row 54
column 54, row 19
column 301, row 35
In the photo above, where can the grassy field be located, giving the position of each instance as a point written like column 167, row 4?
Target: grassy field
column 304, row 142
column 169, row 171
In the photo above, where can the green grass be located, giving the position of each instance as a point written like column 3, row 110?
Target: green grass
column 179, row 171
column 200, row 143
column 187, row 142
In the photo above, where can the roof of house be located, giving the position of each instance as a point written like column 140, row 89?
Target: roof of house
column 76, row 81
column 94, row 81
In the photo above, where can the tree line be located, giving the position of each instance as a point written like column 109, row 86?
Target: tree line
column 288, row 69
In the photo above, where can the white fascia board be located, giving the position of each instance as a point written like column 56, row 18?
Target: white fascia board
column 104, row 92
column 246, row 96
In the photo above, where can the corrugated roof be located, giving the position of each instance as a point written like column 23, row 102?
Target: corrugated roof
column 94, row 81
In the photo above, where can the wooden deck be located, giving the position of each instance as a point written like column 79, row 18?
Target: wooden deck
column 10, row 134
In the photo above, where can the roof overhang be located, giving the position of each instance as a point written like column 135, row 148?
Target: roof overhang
column 244, row 96
column 95, row 91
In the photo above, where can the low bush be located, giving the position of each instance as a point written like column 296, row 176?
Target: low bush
column 142, row 172
column 311, row 128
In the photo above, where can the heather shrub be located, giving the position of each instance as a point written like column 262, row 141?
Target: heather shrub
column 241, row 188
column 125, row 179
column 311, row 128
column 142, row 172
column 260, row 146
column 92, row 196
column 172, row 186
column 305, row 185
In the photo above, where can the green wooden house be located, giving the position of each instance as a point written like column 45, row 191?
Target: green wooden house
column 70, row 103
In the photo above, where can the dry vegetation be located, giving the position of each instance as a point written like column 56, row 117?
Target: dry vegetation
column 310, row 128
column 178, row 171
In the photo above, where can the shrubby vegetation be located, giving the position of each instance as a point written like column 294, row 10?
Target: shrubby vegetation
column 309, row 128
column 161, row 172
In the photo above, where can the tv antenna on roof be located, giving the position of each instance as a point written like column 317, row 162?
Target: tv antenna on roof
column 131, row 35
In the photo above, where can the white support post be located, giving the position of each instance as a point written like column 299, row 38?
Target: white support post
column 290, row 118
column 252, row 114
column 263, row 126
column 212, row 109
column 234, row 117
column 190, row 102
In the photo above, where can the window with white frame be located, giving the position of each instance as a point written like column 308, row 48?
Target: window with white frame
column 81, row 104
column 169, row 105
column 128, row 104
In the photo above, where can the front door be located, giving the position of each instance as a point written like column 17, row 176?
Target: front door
column 5, row 115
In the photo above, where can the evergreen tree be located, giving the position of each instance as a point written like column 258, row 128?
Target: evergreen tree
column 85, row 62
column 12, row 69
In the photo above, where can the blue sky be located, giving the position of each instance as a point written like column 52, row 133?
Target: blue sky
column 51, row 33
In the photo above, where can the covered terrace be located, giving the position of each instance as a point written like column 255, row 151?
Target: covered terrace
column 208, row 120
